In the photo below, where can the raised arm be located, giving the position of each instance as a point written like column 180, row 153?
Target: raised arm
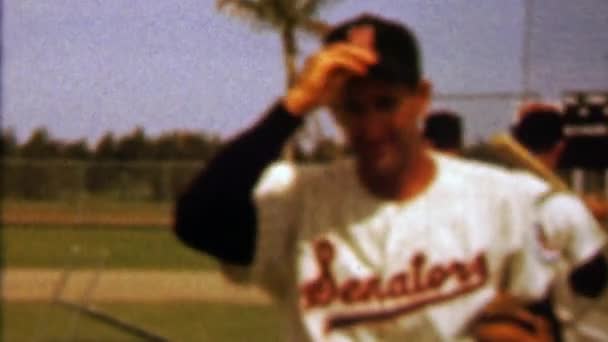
column 216, row 213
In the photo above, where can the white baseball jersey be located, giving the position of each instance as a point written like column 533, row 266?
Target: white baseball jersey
column 572, row 237
column 345, row 265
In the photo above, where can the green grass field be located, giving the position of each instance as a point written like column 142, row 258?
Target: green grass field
column 127, row 248
column 132, row 247
column 178, row 322
column 84, row 247
column 55, row 244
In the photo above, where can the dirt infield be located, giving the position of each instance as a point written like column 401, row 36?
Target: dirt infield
column 86, row 212
column 125, row 286
column 86, row 287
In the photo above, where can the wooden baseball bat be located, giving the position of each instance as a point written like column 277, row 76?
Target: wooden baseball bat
column 509, row 148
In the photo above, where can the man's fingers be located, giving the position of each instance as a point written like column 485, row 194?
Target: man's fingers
column 339, row 62
column 347, row 57
column 359, row 53
column 324, row 73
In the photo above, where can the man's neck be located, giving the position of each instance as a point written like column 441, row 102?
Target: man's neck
column 417, row 174
column 548, row 159
column 415, row 179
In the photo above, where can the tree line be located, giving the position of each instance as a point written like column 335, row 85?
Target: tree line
column 133, row 146
column 138, row 146
column 134, row 166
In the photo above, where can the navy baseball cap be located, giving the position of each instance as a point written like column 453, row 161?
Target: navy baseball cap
column 395, row 44
column 539, row 128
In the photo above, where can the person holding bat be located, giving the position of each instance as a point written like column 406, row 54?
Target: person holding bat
column 540, row 131
column 579, row 245
column 398, row 243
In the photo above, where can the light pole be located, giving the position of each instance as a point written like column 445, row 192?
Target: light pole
column 525, row 53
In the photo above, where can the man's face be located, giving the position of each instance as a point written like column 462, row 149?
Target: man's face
column 381, row 123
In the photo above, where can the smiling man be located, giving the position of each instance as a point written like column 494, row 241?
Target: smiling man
column 397, row 244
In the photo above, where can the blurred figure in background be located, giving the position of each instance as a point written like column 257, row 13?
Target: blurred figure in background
column 540, row 130
column 443, row 131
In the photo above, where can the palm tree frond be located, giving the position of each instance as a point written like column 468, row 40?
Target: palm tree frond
column 252, row 11
column 311, row 8
column 315, row 27
column 240, row 4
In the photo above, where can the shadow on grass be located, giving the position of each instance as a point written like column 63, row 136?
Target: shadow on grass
column 177, row 321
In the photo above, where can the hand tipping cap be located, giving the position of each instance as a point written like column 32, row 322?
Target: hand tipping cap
column 395, row 44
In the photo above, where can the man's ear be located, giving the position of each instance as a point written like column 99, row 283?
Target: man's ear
column 555, row 154
column 425, row 89
column 559, row 148
column 424, row 93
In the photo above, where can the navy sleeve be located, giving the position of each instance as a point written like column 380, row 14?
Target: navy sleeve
column 546, row 309
column 216, row 213
column 587, row 280
column 590, row 279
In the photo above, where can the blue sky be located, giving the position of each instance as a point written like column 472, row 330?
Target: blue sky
column 84, row 67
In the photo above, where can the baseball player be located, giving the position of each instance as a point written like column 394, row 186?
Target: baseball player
column 540, row 130
column 566, row 223
column 398, row 243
